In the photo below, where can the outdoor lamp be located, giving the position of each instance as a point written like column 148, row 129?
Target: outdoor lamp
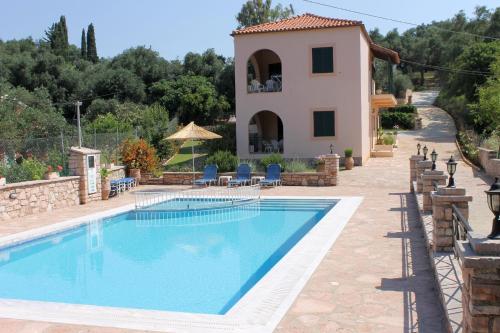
column 418, row 148
column 425, row 150
column 331, row 148
column 434, row 157
column 493, row 197
column 451, row 165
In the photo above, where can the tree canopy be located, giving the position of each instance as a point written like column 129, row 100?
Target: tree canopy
column 255, row 12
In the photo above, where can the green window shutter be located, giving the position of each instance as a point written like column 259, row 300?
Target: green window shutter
column 324, row 123
column 322, row 60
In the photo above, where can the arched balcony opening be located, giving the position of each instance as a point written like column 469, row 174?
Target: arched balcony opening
column 264, row 72
column 265, row 133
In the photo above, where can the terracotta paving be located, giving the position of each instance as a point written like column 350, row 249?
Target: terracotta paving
column 377, row 276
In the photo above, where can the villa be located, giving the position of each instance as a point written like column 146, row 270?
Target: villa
column 304, row 84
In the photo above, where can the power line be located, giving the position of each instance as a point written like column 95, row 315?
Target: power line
column 398, row 21
column 448, row 69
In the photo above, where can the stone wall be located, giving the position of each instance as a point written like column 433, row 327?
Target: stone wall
column 117, row 172
column 489, row 162
column 26, row 198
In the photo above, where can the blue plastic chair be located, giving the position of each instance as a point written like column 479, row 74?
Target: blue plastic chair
column 273, row 176
column 242, row 175
column 209, row 176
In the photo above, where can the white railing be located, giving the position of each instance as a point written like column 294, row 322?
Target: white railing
column 197, row 217
column 209, row 197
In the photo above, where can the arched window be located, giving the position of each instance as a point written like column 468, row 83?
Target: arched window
column 264, row 72
column 265, row 133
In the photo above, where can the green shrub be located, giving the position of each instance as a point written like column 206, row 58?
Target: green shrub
column 403, row 120
column 27, row 170
column 402, row 82
column 468, row 147
column 273, row 159
column 404, row 108
column 224, row 160
column 348, row 152
column 228, row 141
column 389, row 139
column 296, row 165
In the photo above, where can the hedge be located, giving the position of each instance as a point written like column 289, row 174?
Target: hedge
column 404, row 108
column 402, row 119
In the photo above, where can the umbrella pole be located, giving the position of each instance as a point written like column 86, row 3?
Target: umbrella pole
column 192, row 157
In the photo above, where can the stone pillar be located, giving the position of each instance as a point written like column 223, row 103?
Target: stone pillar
column 428, row 179
column 442, row 215
column 421, row 167
column 332, row 164
column 413, row 169
column 480, row 259
column 80, row 160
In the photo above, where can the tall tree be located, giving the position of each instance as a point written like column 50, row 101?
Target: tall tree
column 83, row 48
column 64, row 31
column 91, row 44
column 57, row 37
column 256, row 12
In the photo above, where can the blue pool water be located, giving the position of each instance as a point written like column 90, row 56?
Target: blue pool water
column 189, row 261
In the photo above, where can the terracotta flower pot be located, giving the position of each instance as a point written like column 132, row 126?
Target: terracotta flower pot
column 349, row 163
column 105, row 188
column 135, row 173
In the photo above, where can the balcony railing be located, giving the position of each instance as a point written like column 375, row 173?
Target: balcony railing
column 259, row 145
column 461, row 228
column 271, row 85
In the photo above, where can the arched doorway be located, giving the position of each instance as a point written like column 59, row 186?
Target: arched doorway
column 265, row 133
column 264, row 72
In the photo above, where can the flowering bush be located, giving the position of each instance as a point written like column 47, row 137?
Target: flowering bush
column 25, row 170
column 138, row 154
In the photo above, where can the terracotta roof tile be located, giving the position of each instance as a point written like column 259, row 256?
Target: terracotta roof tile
column 303, row 22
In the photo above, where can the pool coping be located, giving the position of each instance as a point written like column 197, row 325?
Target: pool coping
column 259, row 310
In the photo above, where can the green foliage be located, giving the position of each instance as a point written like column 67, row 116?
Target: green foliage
column 83, row 45
column 273, row 159
column 191, row 98
column 389, row 139
column 27, row 170
column 404, row 120
column 348, row 152
column 468, row 147
column 402, row 82
column 57, row 37
column 228, row 141
column 255, row 12
column 225, row 161
column 91, row 45
column 108, row 123
column 296, row 165
column 104, row 172
column 404, row 108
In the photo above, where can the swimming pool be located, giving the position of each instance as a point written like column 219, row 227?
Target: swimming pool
column 213, row 270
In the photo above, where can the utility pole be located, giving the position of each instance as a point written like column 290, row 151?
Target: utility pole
column 78, row 104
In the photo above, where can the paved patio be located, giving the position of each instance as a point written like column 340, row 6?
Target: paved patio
column 377, row 276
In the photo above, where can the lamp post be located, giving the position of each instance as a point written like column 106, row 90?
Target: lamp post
column 425, row 150
column 493, row 197
column 418, row 148
column 451, row 165
column 434, row 157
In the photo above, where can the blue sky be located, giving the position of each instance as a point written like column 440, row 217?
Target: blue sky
column 174, row 28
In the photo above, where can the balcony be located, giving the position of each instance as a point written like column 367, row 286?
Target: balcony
column 264, row 72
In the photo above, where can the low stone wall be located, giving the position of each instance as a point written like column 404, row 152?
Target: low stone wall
column 117, row 172
column 489, row 162
column 26, row 198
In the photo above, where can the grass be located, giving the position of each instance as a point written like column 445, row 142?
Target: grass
column 184, row 155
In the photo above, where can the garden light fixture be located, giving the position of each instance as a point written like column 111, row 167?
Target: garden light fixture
column 434, row 157
column 425, row 150
column 451, row 165
column 493, row 197
column 418, row 148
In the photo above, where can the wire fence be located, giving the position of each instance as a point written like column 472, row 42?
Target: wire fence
column 55, row 150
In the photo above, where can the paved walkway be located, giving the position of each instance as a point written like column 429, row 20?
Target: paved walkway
column 377, row 276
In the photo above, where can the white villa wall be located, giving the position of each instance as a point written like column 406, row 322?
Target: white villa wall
column 346, row 91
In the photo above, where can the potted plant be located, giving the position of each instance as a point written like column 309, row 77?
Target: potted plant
column 349, row 160
column 139, row 156
column 320, row 163
column 134, row 171
column 50, row 173
column 105, row 184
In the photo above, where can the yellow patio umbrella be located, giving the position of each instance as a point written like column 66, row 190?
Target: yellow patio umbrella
column 193, row 132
